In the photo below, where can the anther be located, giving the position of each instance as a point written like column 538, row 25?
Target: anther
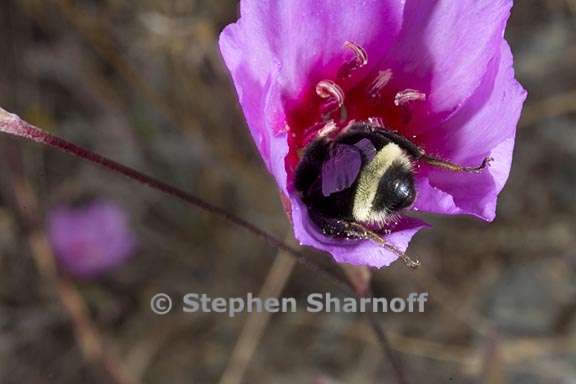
column 376, row 122
column 360, row 59
column 408, row 95
column 334, row 96
column 382, row 79
column 328, row 89
column 327, row 129
column 359, row 52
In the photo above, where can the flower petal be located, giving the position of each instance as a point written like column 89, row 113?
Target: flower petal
column 444, row 50
column 301, row 36
column 91, row 240
column 363, row 252
column 484, row 126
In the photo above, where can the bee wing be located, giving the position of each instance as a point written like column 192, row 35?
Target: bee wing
column 341, row 169
column 367, row 149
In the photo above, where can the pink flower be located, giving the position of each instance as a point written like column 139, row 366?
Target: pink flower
column 90, row 240
column 437, row 72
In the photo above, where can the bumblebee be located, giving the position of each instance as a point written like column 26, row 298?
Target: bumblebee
column 357, row 183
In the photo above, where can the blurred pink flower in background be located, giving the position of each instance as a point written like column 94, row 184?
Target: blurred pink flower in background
column 90, row 240
column 438, row 72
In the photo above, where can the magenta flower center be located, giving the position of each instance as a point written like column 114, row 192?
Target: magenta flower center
column 329, row 105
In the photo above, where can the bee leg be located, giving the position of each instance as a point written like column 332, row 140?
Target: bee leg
column 343, row 229
column 435, row 162
column 407, row 260
column 338, row 228
column 418, row 154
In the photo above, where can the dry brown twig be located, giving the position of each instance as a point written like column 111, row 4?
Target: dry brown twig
column 550, row 107
column 572, row 6
column 92, row 29
column 257, row 321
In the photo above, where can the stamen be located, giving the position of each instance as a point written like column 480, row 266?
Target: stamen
column 360, row 59
column 382, row 79
column 334, row 96
column 408, row 95
column 328, row 89
column 361, row 55
column 329, row 128
column 376, row 122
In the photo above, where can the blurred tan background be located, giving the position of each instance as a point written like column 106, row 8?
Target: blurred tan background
column 143, row 83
